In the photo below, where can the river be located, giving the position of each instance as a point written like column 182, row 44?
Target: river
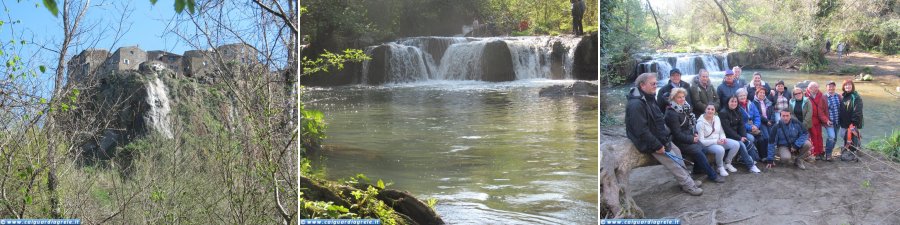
column 490, row 153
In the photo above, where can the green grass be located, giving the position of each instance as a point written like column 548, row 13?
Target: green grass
column 888, row 145
column 853, row 70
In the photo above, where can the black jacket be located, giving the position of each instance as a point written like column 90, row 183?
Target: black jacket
column 645, row 124
column 851, row 110
column 682, row 126
column 663, row 97
column 732, row 123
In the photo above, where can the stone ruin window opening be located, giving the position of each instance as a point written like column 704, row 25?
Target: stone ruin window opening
column 127, row 62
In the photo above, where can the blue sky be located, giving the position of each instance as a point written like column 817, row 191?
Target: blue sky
column 147, row 24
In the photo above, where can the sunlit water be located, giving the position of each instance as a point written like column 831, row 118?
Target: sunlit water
column 880, row 105
column 490, row 153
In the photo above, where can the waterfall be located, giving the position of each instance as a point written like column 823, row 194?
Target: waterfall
column 462, row 62
column 725, row 61
column 158, row 115
column 710, row 63
column 530, row 59
column 365, row 66
column 686, row 65
column 460, row 58
column 662, row 69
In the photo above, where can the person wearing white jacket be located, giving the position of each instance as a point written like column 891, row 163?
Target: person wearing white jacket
column 713, row 138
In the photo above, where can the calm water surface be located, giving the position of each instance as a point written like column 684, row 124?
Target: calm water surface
column 491, row 153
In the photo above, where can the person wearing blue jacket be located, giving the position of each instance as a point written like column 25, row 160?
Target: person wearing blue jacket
column 727, row 88
column 790, row 137
column 757, row 134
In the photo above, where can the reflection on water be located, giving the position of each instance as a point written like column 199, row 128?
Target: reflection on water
column 880, row 108
column 492, row 153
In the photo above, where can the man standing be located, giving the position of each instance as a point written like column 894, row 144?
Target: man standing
column 819, row 111
column 840, row 50
column 645, row 126
column 727, row 88
column 737, row 76
column 674, row 82
column 703, row 93
column 577, row 13
column 827, row 46
column 790, row 137
column 834, row 105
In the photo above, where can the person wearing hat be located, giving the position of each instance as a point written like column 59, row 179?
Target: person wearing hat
column 727, row 88
column 834, row 105
column 674, row 82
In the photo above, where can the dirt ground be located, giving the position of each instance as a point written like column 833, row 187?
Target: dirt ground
column 865, row 192
column 881, row 65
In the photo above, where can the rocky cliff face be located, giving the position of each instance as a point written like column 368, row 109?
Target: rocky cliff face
column 122, row 107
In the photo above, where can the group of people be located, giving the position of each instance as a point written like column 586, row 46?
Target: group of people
column 751, row 121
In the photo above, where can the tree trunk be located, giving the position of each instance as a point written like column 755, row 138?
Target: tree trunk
column 658, row 33
column 727, row 24
column 617, row 157
column 70, row 28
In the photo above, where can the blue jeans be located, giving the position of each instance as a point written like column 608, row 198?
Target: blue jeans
column 750, row 147
column 830, row 140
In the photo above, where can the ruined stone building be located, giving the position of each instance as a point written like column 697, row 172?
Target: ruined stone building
column 197, row 63
column 125, row 58
column 86, row 63
column 171, row 60
column 194, row 63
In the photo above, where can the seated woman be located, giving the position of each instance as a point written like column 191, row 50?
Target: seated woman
column 757, row 135
column 709, row 129
column 680, row 119
column 733, row 126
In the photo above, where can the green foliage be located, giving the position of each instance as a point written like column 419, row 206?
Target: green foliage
column 431, row 202
column 882, row 37
column 330, row 60
column 623, row 31
column 810, row 51
column 51, row 6
column 888, row 145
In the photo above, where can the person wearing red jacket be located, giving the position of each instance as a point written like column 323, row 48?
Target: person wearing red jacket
column 819, row 110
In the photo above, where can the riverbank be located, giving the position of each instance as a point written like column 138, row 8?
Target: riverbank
column 879, row 64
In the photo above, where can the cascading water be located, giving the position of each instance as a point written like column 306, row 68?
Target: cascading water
column 688, row 64
column 158, row 115
column 460, row 58
column 529, row 59
column 710, row 63
column 462, row 62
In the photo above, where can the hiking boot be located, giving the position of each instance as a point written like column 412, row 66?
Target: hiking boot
column 820, row 158
column 730, row 168
column 695, row 191
column 828, row 158
column 800, row 164
column 754, row 169
column 722, row 171
column 698, row 183
column 718, row 180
